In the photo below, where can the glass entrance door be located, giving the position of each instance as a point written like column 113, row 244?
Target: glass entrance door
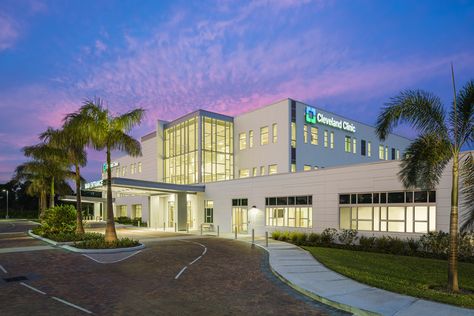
column 240, row 220
column 170, row 213
column 190, row 218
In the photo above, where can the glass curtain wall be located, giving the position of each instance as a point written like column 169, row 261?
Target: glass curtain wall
column 217, row 150
column 181, row 152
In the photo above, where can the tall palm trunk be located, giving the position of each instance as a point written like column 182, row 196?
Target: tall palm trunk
column 79, row 226
column 453, row 229
column 43, row 201
column 51, row 201
column 110, row 233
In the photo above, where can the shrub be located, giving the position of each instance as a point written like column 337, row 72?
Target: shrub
column 99, row 243
column 276, row 234
column 66, row 236
column 284, row 236
column 413, row 245
column 466, row 245
column 59, row 219
column 347, row 236
column 328, row 235
column 435, row 242
column 301, row 238
column 367, row 243
column 314, row 238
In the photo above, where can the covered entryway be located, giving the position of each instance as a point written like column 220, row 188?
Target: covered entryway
column 240, row 219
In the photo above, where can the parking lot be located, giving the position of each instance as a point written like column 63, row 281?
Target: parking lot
column 170, row 276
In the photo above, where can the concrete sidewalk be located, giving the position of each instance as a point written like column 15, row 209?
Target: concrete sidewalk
column 300, row 270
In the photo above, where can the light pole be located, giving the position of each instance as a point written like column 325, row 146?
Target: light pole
column 5, row 190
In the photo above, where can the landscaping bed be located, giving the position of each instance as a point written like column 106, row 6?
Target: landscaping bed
column 420, row 277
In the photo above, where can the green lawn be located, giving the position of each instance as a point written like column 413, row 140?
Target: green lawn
column 420, row 277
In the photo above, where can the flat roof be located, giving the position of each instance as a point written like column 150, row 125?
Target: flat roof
column 149, row 187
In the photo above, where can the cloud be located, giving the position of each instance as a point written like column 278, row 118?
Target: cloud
column 9, row 32
column 100, row 47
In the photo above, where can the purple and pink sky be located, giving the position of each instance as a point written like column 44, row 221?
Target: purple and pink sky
column 172, row 57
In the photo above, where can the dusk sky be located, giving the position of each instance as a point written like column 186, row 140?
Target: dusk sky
column 173, row 57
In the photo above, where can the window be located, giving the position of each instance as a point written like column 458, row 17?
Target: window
column 393, row 153
column 402, row 214
column 254, row 171
column 325, row 138
column 240, row 202
column 386, row 152
column 122, row 211
column 305, row 133
column 244, row 173
column 398, row 155
column 124, row 171
column 208, row 211
column 137, row 211
column 117, row 171
column 275, row 133
column 354, row 145
column 139, row 167
column 331, row 143
column 262, row 170
column 347, row 144
column 314, row 135
column 250, row 139
column 132, row 168
column 307, row 168
column 264, row 135
column 362, row 147
column 286, row 211
column 381, row 152
column 369, row 149
column 242, row 141
column 293, row 135
column 293, row 167
column 272, row 169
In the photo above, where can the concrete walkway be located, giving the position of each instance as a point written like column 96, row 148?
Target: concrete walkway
column 300, row 270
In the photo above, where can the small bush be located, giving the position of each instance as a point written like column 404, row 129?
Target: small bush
column 65, row 236
column 328, row 236
column 314, row 238
column 276, row 234
column 367, row 243
column 59, row 219
column 99, row 243
column 347, row 237
column 284, row 236
column 413, row 245
column 435, row 242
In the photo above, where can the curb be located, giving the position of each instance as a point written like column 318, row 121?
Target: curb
column 49, row 241
column 102, row 251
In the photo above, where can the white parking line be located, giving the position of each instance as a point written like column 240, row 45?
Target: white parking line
column 195, row 260
column 32, row 288
column 71, row 304
column 3, row 269
column 182, row 270
column 115, row 261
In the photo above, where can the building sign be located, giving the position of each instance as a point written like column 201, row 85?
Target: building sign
column 112, row 164
column 93, row 184
column 312, row 117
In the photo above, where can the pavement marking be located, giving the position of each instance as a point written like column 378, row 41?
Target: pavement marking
column 25, row 249
column 32, row 288
column 103, row 262
column 182, row 270
column 3, row 269
column 71, row 304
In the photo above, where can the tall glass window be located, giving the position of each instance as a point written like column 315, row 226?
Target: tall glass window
column 181, row 152
column 217, row 150
column 314, row 135
column 381, row 152
column 242, row 141
column 275, row 132
column 208, row 211
column 354, row 145
column 293, row 134
column 331, row 141
column 305, row 133
column 250, row 139
column 264, row 135
column 369, row 149
column 347, row 144
column 326, row 138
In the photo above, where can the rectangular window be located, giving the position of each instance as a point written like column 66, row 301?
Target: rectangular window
column 331, row 141
column 354, row 145
column 124, row 171
column 242, row 141
column 254, row 171
column 262, row 170
column 307, row 168
column 381, row 152
column 132, row 168
column 283, row 211
column 386, row 152
column 244, row 173
column 293, row 135
column 398, row 155
column 305, row 134
column 275, row 132
column 362, row 147
column 208, row 211
column 264, row 135
column 250, row 139
column 393, row 153
column 347, row 144
column 293, row 167
column 122, row 211
column 272, row 169
column 137, row 211
column 139, row 167
column 325, row 138
column 314, row 136
column 369, row 149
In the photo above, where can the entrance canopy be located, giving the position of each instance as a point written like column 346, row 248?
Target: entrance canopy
column 141, row 187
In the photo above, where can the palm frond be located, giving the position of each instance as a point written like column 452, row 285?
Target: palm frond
column 424, row 161
column 467, row 180
column 463, row 118
column 124, row 142
column 127, row 121
column 423, row 110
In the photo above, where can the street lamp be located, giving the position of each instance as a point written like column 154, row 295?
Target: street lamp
column 5, row 190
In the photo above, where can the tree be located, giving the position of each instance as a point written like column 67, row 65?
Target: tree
column 440, row 140
column 73, row 143
column 109, row 132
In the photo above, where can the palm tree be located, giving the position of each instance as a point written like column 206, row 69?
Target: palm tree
column 73, row 143
column 440, row 140
column 35, row 176
column 109, row 132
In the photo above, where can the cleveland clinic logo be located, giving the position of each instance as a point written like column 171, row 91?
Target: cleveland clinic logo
column 311, row 116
